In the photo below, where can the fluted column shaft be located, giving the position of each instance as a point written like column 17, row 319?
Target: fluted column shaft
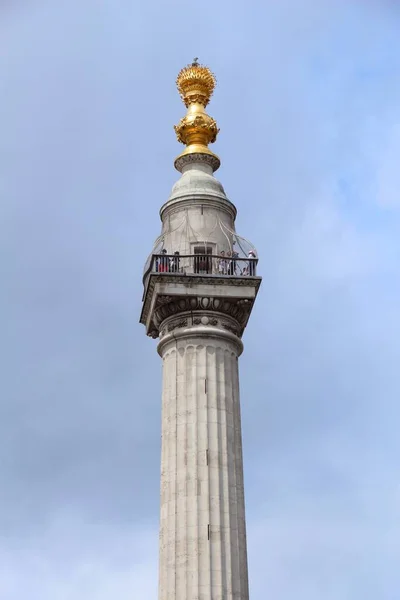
column 202, row 531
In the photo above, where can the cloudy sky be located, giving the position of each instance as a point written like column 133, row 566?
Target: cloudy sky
column 308, row 102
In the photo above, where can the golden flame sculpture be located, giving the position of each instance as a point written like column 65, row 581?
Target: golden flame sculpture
column 197, row 129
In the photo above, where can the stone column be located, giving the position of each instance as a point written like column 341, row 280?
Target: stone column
column 202, row 531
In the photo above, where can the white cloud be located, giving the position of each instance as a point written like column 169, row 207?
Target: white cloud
column 72, row 559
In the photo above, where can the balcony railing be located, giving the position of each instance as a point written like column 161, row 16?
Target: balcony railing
column 203, row 264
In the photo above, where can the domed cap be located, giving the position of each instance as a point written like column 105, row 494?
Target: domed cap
column 197, row 183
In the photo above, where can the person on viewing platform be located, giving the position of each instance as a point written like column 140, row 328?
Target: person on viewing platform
column 229, row 264
column 163, row 265
column 222, row 263
column 252, row 263
column 174, row 262
column 235, row 256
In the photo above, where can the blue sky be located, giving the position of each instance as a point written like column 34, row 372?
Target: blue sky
column 308, row 104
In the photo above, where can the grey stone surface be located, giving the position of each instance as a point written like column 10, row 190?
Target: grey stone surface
column 202, row 528
column 200, row 320
column 197, row 211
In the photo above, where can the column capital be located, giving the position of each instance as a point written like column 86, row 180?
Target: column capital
column 202, row 329
column 175, row 295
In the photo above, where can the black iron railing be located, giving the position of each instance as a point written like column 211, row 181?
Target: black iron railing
column 204, row 264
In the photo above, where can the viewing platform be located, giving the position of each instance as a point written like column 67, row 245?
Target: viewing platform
column 176, row 283
column 203, row 264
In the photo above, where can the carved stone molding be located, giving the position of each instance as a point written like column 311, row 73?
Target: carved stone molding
column 160, row 307
column 231, row 328
column 203, row 320
column 164, row 299
column 197, row 157
column 231, row 307
column 177, row 324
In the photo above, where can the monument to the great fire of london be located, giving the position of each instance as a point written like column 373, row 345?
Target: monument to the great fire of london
column 200, row 284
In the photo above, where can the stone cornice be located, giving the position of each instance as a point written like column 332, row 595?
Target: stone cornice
column 195, row 302
column 168, row 306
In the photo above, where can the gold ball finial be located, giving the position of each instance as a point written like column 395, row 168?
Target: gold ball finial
column 196, row 84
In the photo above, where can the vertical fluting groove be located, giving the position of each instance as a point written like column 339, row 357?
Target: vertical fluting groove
column 168, row 478
column 239, row 476
column 233, row 572
column 190, row 400
column 173, row 468
column 202, row 433
column 175, row 382
column 214, row 473
column 241, row 535
column 234, row 501
column 219, row 471
column 242, row 521
column 224, row 403
column 196, row 453
column 224, row 483
column 207, row 426
column 185, row 401
column 171, row 482
column 173, row 475
column 164, row 446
